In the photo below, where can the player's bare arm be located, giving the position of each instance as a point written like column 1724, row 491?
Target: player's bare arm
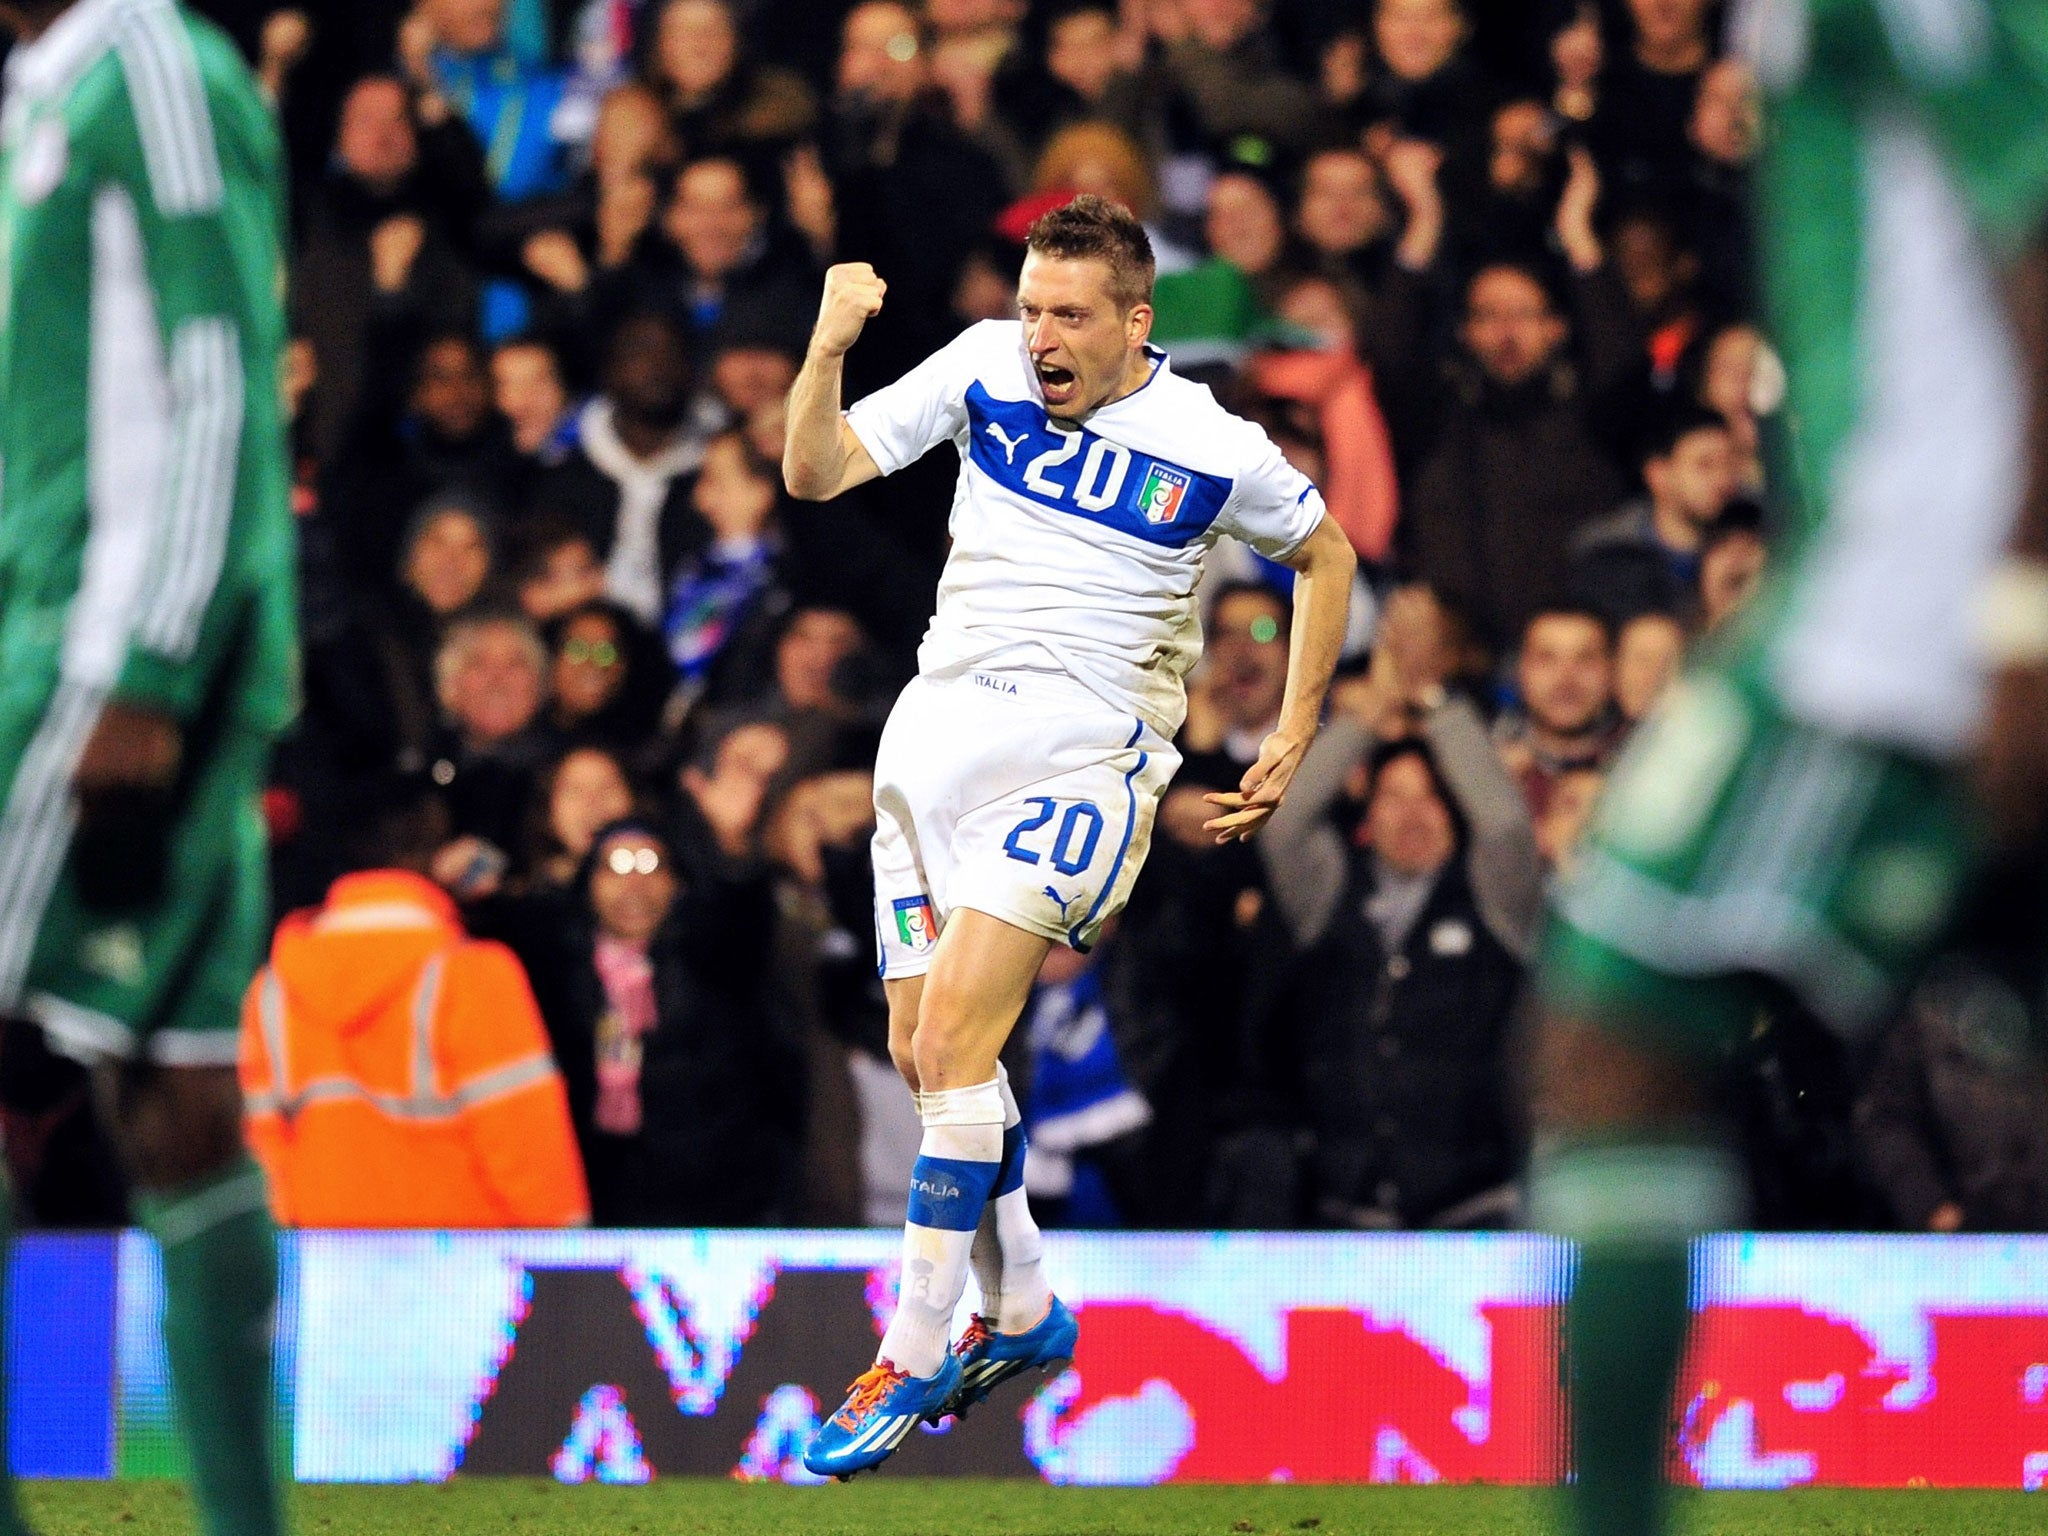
column 821, row 456
column 2012, row 766
column 1323, row 567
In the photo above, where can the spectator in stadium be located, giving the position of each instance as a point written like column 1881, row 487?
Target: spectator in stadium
column 1081, row 1113
column 1647, row 652
column 687, row 1094
column 1424, row 88
column 1565, row 675
column 394, row 1071
column 753, row 369
column 1726, row 131
column 1086, row 156
column 556, row 569
column 392, row 181
column 965, row 60
column 608, row 680
column 529, row 391
column 1411, row 942
column 1953, row 1122
column 817, row 836
column 725, row 601
column 1646, row 92
column 1235, row 704
column 1210, row 315
column 586, row 790
column 915, row 195
column 1244, row 226
column 715, row 260
column 456, row 58
column 716, row 95
column 437, row 433
column 1660, row 270
column 449, row 554
column 1083, row 74
column 627, row 485
column 1505, row 213
column 1740, row 377
column 491, row 676
column 1514, row 466
column 1226, row 73
column 446, row 560
column 1731, row 564
column 1341, row 219
column 1645, row 557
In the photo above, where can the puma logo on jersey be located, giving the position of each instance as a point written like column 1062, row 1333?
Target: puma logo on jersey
column 1010, row 444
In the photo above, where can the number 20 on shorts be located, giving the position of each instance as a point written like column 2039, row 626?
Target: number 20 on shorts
column 1082, row 822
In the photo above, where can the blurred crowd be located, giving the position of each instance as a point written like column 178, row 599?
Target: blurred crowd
column 580, row 678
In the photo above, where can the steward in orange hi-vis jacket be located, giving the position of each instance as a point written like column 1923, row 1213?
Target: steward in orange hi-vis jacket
column 395, row 1072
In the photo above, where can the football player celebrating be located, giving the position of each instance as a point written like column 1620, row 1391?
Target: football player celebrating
column 1020, row 771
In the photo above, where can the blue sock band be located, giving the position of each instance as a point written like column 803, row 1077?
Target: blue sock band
column 947, row 1193
column 1011, row 1178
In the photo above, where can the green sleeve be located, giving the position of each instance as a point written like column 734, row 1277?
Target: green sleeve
column 1976, row 72
column 196, row 155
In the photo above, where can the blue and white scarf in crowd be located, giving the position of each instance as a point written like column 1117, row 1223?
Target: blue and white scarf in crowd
column 1079, row 1098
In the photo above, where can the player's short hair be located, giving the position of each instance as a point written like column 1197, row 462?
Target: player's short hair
column 1094, row 228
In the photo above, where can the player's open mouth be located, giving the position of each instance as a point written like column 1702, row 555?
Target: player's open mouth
column 1056, row 384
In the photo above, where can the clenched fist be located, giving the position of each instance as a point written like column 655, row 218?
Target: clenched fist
column 853, row 295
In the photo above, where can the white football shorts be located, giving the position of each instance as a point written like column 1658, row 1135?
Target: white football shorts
column 1019, row 794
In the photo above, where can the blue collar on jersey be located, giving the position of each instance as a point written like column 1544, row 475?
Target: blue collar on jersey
column 1079, row 472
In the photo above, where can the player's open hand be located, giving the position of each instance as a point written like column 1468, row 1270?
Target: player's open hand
column 853, row 296
column 1259, row 793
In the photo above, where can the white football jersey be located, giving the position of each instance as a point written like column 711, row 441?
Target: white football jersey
column 1077, row 549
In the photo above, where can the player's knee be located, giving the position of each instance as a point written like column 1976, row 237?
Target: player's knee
column 904, row 1055
column 1590, row 1081
column 176, row 1125
column 935, row 1047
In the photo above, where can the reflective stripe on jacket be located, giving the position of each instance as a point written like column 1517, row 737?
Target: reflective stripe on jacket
column 395, row 1072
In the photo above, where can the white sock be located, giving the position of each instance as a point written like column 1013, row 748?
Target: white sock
column 987, row 1253
column 1023, row 1293
column 949, row 1188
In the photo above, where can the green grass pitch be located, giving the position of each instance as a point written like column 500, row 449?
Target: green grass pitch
column 909, row 1507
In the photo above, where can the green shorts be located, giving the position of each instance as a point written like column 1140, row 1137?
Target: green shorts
column 160, row 979
column 1737, row 851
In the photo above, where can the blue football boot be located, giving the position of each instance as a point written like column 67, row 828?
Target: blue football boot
column 882, row 1408
column 988, row 1358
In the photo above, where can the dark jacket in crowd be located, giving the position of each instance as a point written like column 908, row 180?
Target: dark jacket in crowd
column 1621, row 569
column 392, row 460
column 1401, row 1042
column 721, row 1086
column 1957, row 1112
column 333, row 296
column 1514, row 471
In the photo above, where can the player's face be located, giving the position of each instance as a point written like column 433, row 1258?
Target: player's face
column 1081, row 340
